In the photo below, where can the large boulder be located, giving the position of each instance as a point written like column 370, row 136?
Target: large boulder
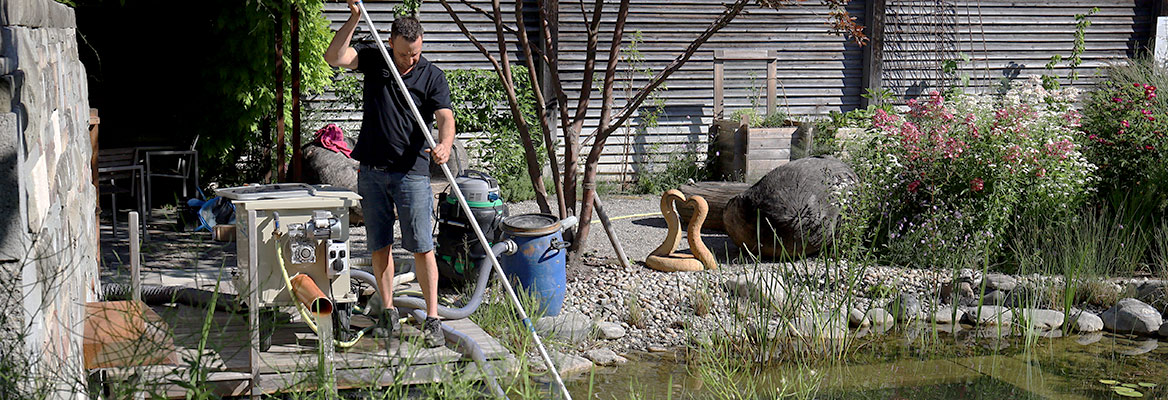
column 1132, row 316
column 793, row 209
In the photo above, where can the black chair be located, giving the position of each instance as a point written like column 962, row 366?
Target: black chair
column 114, row 168
column 163, row 162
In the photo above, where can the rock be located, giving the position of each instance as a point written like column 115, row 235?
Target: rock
column 1090, row 338
column 758, row 286
column 989, row 315
column 570, row 364
column 964, row 292
column 1132, row 316
column 823, row 327
column 905, row 307
column 994, row 298
column 879, row 316
column 658, row 349
column 945, row 315
column 1144, row 347
column 969, row 276
column 791, row 210
column 1083, row 321
column 1003, row 282
column 573, row 327
column 610, row 331
column 1041, row 319
column 605, row 357
column 1155, row 293
column 1164, row 329
column 857, row 319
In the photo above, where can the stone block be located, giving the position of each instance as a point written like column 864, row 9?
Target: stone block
column 37, row 14
column 12, row 227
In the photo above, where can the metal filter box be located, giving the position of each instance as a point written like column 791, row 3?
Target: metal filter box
column 255, row 208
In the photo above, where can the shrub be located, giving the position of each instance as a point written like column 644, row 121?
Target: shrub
column 480, row 105
column 1125, row 123
column 952, row 174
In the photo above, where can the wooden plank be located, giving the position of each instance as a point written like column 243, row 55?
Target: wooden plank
column 874, row 52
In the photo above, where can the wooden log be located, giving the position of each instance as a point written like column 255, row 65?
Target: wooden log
column 717, row 194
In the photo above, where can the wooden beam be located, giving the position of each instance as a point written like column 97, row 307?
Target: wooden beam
column 296, row 154
column 874, row 51
column 280, row 170
column 719, row 74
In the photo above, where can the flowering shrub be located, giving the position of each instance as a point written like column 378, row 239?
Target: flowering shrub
column 1125, row 124
column 954, row 172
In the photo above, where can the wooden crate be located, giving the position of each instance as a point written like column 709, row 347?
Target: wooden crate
column 744, row 154
column 739, row 152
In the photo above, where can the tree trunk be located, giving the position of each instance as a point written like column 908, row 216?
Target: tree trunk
column 717, row 194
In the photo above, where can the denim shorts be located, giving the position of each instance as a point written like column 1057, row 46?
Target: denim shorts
column 380, row 192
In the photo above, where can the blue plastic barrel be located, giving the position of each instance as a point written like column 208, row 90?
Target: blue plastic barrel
column 539, row 267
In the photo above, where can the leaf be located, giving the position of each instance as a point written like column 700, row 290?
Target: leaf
column 1147, row 385
column 1108, row 382
column 1127, row 392
column 1129, row 385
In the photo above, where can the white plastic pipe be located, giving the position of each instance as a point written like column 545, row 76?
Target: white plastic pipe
column 462, row 201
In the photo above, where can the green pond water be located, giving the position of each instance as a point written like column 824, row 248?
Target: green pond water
column 971, row 364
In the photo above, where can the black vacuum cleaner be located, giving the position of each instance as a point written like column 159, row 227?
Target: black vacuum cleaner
column 456, row 247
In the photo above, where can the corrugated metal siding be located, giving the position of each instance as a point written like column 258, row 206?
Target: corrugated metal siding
column 1005, row 39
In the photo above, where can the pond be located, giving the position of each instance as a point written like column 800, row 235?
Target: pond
column 911, row 365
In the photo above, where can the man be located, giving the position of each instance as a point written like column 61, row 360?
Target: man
column 395, row 157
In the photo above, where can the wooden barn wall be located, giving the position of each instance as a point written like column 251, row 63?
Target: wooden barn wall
column 1003, row 41
column 445, row 45
column 818, row 72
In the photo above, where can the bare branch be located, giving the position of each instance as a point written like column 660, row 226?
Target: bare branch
column 541, row 108
column 618, row 33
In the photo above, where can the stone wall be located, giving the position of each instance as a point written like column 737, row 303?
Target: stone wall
column 48, row 241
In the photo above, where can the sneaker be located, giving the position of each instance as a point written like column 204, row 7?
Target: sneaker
column 432, row 332
column 387, row 325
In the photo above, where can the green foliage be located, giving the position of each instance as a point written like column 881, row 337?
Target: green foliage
column 1081, row 24
column 680, row 167
column 480, row 105
column 240, row 118
column 407, row 8
column 1125, row 121
column 759, row 120
column 951, row 175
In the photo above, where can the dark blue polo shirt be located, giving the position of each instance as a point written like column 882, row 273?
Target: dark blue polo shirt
column 390, row 136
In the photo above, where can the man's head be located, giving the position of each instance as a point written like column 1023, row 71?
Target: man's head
column 406, row 39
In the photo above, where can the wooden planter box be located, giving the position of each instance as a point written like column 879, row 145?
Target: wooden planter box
column 744, row 154
column 738, row 152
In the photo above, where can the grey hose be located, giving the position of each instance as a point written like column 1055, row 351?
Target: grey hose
column 155, row 295
column 469, row 348
column 476, row 297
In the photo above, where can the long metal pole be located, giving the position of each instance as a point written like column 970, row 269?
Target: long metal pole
column 462, row 201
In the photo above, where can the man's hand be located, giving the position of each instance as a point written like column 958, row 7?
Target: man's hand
column 354, row 10
column 441, row 153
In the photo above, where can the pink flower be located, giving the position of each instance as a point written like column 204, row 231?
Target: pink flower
column 1151, row 118
column 1117, row 100
column 1149, row 147
column 1146, row 112
column 977, row 184
column 1137, row 85
column 1041, row 172
column 1125, row 124
column 912, row 187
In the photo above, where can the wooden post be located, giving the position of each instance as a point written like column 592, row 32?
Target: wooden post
column 874, row 51
column 253, row 305
column 772, row 82
column 616, row 245
column 1159, row 40
column 280, row 162
column 94, row 123
column 296, row 156
column 719, row 74
column 135, row 259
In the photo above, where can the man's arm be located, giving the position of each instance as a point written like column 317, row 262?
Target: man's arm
column 444, row 120
column 339, row 53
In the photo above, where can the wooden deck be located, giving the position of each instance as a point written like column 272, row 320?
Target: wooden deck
column 293, row 362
